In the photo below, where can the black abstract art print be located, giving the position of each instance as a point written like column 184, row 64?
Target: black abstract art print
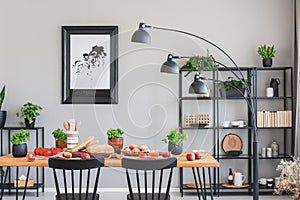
column 90, row 64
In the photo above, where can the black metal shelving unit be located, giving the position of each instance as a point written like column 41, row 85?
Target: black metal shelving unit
column 39, row 142
column 252, row 74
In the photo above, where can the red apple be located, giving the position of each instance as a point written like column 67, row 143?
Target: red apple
column 143, row 156
column 166, row 154
column 67, row 154
column 30, row 157
column 190, row 156
column 85, row 156
column 197, row 155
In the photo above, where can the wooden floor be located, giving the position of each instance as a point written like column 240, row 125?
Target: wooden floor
column 122, row 195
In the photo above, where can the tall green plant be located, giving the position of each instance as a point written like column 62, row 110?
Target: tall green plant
column 200, row 63
column 266, row 52
column 2, row 95
column 29, row 111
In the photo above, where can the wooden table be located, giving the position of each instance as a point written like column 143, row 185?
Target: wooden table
column 206, row 161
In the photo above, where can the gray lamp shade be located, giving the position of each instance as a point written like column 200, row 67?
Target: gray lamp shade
column 141, row 36
column 198, row 86
column 169, row 67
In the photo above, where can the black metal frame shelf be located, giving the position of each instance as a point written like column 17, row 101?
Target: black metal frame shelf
column 251, row 73
column 39, row 142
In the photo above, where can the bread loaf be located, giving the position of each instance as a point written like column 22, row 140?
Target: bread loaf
column 82, row 144
column 100, row 148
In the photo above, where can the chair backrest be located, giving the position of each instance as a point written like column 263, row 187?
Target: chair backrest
column 69, row 170
column 145, row 167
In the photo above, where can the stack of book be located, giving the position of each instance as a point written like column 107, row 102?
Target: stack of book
column 274, row 118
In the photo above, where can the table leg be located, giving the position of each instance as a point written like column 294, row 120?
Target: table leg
column 181, row 181
column 204, row 182
column 27, row 176
column 209, row 177
column 200, row 182
column 196, row 182
column 17, row 188
column 3, row 184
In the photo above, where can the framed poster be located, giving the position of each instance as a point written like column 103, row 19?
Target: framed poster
column 89, row 64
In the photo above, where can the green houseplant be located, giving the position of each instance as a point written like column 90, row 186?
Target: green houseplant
column 175, row 140
column 115, row 139
column 60, row 138
column 266, row 53
column 3, row 114
column 29, row 112
column 19, row 139
column 200, row 63
column 232, row 87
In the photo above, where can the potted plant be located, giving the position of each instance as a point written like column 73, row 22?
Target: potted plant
column 266, row 53
column 200, row 63
column 233, row 88
column 175, row 141
column 3, row 114
column 19, row 139
column 29, row 112
column 115, row 139
column 60, row 138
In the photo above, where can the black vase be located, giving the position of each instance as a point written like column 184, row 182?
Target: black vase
column 274, row 84
column 3, row 115
column 175, row 149
column 27, row 125
column 19, row 150
column 267, row 62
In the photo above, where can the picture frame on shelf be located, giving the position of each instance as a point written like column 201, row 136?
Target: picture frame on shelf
column 89, row 64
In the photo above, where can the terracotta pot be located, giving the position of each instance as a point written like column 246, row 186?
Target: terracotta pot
column 116, row 143
column 60, row 144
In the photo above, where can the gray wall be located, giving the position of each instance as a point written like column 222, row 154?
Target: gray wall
column 30, row 54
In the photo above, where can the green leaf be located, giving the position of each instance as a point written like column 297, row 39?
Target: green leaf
column 115, row 133
column 29, row 111
column 175, row 137
column 20, row 137
column 58, row 134
column 2, row 95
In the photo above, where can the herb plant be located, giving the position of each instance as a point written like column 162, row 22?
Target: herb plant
column 29, row 111
column 266, row 52
column 2, row 95
column 230, row 83
column 115, row 133
column 20, row 137
column 58, row 134
column 175, row 137
column 200, row 63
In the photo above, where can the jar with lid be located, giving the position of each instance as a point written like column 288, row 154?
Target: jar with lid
column 275, row 149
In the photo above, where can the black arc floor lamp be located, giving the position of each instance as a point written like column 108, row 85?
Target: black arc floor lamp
column 142, row 36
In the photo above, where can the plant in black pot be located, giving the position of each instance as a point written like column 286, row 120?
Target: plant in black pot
column 200, row 64
column 19, row 139
column 115, row 139
column 29, row 112
column 266, row 53
column 233, row 88
column 3, row 114
column 175, row 141
column 60, row 138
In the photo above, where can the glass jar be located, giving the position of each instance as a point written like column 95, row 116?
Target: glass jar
column 275, row 149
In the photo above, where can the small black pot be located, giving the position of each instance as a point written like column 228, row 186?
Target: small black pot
column 267, row 62
column 233, row 92
column 175, row 149
column 19, row 150
column 3, row 115
column 27, row 125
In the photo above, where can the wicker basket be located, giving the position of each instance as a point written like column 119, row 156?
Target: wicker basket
column 21, row 183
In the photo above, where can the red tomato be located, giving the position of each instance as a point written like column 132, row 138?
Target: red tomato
column 41, row 152
column 47, row 152
column 36, row 151
column 56, row 151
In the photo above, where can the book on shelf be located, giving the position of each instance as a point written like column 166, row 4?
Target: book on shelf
column 272, row 119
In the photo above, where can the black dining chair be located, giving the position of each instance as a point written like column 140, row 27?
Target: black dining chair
column 148, row 188
column 76, row 174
